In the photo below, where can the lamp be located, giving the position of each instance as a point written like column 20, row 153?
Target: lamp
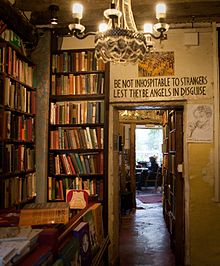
column 119, row 41
column 53, row 14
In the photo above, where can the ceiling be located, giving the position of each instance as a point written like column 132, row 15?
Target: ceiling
column 178, row 11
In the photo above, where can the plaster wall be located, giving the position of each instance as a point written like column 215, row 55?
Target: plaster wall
column 201, row 211
column 204, row 213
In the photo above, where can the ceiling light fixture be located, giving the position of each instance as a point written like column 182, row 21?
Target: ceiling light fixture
column 53, row 14
column 119, row 41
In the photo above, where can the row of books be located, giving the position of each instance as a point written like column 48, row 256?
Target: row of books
column 77, row 138
column 77, row 112
column 57, row 187
column 18, row 189
column 17, row 158
column 76, row 163
column 77, row 84
column 44, row 213
column 10, row 36
column 18, row 127
column 70, row 61
column 12, row 65
column 18, row 97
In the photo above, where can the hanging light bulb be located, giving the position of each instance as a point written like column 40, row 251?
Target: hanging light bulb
column 160, row 11
column 77, row 11
column 53, row 14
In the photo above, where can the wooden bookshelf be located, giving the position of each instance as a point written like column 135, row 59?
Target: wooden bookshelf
column 173, row 199
column 77, row 125
column 17, row 117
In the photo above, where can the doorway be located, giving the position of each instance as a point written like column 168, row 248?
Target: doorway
column 172, row 182
column 148, row 159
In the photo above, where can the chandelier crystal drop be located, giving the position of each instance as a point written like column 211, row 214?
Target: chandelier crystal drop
column 119, row 41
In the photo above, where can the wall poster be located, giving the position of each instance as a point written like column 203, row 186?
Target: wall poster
column 200, row 123
column 157, row 64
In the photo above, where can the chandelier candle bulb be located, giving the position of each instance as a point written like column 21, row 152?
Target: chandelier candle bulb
column 77, row 11
column 148, row 28
column 120, row 41
column 160, row 11
column 103, row 27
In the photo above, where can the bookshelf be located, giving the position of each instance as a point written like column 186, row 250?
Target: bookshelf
column 173, row 203
column 17, row 117
column 165, row 166
column 77, row 124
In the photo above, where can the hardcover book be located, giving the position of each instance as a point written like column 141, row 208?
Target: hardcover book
column 81, row 232
column 98, row 222
column 89, row 218
column 14, row 233
column 6, row 254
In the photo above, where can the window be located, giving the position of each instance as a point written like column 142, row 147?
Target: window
column 149, row 143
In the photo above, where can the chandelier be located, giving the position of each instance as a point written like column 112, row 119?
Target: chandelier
column 118, row 40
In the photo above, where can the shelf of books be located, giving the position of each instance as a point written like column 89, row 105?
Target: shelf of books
column 77, row 125
column 165, row 165
column 17, row 117
column 172, row 177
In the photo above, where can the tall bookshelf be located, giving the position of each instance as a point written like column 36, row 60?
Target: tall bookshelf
column 173, row 194
column 17, row 118
column 77, row 126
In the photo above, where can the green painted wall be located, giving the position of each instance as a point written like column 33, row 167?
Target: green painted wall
column 204, row 213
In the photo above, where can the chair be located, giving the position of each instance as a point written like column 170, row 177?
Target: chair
column 153, row 178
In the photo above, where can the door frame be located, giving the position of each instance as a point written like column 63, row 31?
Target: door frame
column 113, row 151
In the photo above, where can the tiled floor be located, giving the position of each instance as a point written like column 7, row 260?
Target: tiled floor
column 144, row 239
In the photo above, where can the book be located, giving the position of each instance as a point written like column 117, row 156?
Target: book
column 34, row 235
column 81, row 232
column 68, row 252
column 14, row 233
column 98, row 221
column 20, row 246
column 6, row 254
column 44, row 213
column 89, row 218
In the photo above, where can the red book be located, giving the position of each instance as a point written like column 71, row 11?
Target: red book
column 71, row 165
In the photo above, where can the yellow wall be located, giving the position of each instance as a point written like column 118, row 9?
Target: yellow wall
column 204, row 213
